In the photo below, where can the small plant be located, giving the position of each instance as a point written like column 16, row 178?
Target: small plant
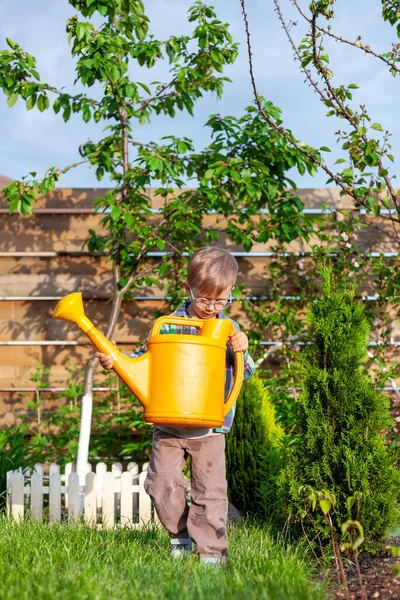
column 255, row 437
column 394, row 551
column 15, row 452
column 352, row 532
column 40, row 378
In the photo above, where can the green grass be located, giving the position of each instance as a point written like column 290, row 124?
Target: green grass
column 41, row 562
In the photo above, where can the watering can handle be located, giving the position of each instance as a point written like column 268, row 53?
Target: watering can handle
column 239, row 374
column 182, row 321
column 239, row 361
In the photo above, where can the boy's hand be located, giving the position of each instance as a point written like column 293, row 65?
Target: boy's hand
column 106, row 361
column 239, row 342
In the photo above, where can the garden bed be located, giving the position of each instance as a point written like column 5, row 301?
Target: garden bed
column 377, row 574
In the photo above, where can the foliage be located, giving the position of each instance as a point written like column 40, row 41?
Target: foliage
column 351, row 533
column 367, row 152
column 362, row 174
column 239, row 172
column 254, row 434
column 118, row 428
column 15, row 452
column 76, row 562
column 290, row 283
column 343, row 419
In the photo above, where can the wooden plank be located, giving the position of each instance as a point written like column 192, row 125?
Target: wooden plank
column 126, row 511
column 36, row 508
column 54, row 469
column 17, row 497
column 144, row 501
column 73, row 497
column 108, row 496
column 116, row 470
column 55, row 495
column 66, row 233
column 67, row 197
column 8, row 492
column 69, row 468
column 39, row 468
column 90, row 502
column 133, row 469
column 101, row 470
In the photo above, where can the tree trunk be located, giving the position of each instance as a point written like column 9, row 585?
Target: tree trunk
column 87, row 398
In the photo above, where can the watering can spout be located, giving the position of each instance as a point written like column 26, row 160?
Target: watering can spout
column 134, row 372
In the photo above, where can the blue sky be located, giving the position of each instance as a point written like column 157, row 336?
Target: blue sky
column 33, row 141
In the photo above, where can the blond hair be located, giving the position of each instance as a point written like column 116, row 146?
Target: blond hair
column 212, row 270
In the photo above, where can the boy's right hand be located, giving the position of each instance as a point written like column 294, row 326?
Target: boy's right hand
column 106, row 361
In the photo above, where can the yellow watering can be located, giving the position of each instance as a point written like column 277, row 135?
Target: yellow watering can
column 180, row 380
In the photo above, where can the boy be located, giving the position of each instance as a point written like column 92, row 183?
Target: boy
column 212, row 273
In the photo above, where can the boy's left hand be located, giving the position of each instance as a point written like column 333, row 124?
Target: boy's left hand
column 239, row 342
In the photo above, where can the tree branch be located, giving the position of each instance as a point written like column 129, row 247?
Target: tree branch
column 319, row 162
column 339, row 38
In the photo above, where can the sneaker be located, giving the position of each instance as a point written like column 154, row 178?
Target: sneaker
column 211, row 560
column 181, row 547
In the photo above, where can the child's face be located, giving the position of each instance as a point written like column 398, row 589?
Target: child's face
column 201, row 309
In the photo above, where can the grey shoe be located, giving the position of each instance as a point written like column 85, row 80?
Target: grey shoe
column 210, row 560
column 181, row 547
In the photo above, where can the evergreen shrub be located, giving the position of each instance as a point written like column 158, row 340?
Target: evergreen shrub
column 343, row 420
column 255, row 435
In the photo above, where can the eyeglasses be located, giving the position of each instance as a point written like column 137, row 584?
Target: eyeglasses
column 216, row 304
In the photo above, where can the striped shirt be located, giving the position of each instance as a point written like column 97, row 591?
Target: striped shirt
column 249, row 368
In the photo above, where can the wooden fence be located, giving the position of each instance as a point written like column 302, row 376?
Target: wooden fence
column 108, row 498
column 42, row 259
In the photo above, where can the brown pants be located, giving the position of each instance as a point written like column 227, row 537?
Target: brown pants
column 204, row 521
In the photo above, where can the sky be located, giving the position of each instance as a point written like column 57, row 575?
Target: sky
column 34, row 141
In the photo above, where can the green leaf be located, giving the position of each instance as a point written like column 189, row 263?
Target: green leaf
column 325, row 506
column 115, row 213
column 209, row 174
column 236, row 294
column 358, row 542
column 376, row 209
column 160, row 244
column 130, row 90
column 67, row 113
column 353, row 86
column 347, row 173
column 12, row 99
column 11, row 43
column 146, row 89
column 30, row 103
column 325, row 149
column 80, row 30
column 129, row 220
column 182, row 148
column 377, row 126
column 141, row 30
column 43, row 102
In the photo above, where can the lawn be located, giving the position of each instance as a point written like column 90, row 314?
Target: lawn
column 41, row 562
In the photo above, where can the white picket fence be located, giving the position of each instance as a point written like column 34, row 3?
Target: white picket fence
column 108, row 498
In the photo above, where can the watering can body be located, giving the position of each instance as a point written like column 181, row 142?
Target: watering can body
column 180, row 380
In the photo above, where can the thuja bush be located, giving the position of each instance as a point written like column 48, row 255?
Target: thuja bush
column 343, row 420
column 255, row 434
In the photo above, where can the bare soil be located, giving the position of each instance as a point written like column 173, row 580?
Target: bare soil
column 376, row 571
